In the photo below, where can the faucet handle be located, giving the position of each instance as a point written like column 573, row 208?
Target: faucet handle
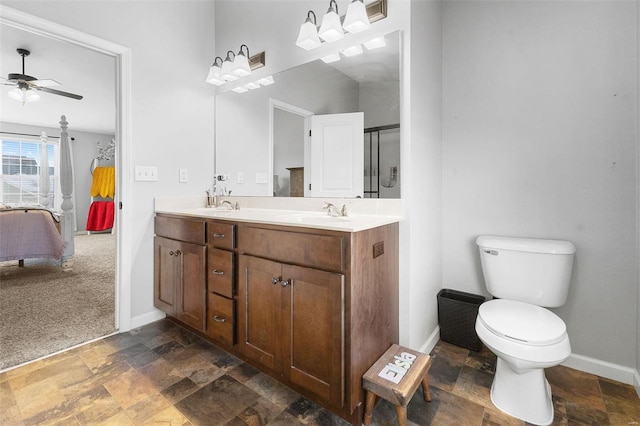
column 344, row 211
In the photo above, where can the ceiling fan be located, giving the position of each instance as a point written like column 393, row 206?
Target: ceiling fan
column 27, row 86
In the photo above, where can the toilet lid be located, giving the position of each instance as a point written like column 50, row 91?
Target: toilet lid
column 522, row 322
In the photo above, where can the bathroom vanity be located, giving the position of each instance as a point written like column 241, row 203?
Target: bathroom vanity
column 309, row 299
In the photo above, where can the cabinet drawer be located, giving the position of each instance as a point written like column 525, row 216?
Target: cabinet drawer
column 220, row 272
column 317, row 251
column 221, row 235
column 188, row 230
column 220, row 319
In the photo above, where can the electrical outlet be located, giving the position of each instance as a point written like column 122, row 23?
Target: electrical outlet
column 262, row 178
column 240, row 177
column 378, row 249
column 184, row 175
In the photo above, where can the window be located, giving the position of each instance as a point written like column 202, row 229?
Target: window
column 20, row 174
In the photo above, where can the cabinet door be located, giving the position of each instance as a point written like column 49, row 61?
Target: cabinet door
column 192, row 289
column 313, row 331
column 259, row 310
column 166, row 274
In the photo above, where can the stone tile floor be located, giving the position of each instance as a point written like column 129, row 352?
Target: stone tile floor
column 162, row 374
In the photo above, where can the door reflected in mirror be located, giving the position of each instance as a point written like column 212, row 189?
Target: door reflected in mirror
column 269, row 132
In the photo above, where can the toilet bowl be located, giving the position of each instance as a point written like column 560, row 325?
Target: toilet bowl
column 526, row 339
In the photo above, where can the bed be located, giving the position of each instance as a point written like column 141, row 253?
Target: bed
column 27, row 233
column 37, row 232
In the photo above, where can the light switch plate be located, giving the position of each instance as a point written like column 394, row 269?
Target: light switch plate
column 240, row 177
column 184, row 175
column 146, row 173
column 262, row 178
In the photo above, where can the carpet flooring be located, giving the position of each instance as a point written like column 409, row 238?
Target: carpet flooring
column 45, row 307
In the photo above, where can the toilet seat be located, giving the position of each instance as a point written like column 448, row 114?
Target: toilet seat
column 522, row 322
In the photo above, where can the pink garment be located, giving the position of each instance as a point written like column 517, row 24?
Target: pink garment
column 26, row 234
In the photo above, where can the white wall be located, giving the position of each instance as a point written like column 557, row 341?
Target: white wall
column 84, row 151
column 540, row 122
column 172, row 44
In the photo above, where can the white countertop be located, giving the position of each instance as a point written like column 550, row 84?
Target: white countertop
column 301, row 218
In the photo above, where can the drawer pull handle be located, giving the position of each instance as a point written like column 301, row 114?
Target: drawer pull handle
column 215, row 271
column 218, row 235
column 219, row 318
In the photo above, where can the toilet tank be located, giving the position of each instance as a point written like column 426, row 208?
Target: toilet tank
column 530, row 270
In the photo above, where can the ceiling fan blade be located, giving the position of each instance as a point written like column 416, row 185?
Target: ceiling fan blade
column 6, row 82
column 59, row 92
column 45, row 83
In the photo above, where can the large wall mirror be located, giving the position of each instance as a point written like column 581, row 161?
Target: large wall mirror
column 320, row 130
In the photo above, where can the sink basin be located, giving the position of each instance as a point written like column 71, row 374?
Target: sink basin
column 309, row 217
column 214, row 210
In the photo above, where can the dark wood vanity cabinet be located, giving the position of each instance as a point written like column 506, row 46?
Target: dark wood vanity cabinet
column 313, row 308
column 291, row 321
column 179, row 269
column 221, row 239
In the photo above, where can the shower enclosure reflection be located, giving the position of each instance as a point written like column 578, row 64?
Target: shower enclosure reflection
column 382, row 161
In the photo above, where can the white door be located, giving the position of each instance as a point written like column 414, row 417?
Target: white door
column 334, row 160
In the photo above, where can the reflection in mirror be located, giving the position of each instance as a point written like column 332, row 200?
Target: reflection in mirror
column 265, row 144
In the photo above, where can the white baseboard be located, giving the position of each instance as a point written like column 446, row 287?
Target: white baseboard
column 433, row 338
column 147, row 318
column 605, row 369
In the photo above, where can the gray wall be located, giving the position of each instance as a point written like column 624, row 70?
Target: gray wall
column 540, row 121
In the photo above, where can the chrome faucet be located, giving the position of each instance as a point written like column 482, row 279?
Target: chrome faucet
column 228, row 203
column 333, row 210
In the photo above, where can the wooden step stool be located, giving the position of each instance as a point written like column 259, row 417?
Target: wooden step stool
column 395, row 377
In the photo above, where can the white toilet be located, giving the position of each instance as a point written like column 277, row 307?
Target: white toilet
column 525, row 275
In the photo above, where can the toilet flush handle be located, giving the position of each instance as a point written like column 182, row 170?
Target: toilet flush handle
column 491, row 252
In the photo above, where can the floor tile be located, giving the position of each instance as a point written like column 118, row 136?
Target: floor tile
column 161, row 374
column 180, row 390
column 38, row 397
column 130, row 387
column 217, row 402
column 279, row 394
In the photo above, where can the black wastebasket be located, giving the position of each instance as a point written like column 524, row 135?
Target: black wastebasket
column 457, row 312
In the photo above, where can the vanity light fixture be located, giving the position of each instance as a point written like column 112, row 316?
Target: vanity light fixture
column 241, row 63
column 308, row 35
column 359, row 18
column 375, row 43
column 352, row 51
column 215, row 73
column 227, row 73
column 333, row 57
column 356, row 19
column 331, row 27
column 266, row 81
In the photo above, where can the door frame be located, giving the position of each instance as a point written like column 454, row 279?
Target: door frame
column 276, row 104
column 122, row 56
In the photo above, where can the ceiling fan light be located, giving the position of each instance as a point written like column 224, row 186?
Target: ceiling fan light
column 24, row 95
column 308, row 35
column 356, row 19
column 331, row 28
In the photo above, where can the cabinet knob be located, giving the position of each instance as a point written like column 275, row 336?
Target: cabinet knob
column 219, row 318
column 286, row 283
column 215, row 271
column 275, row 280
column 171, row 253
column 178, row 252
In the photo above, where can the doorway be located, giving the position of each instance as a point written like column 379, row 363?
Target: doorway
column 122, row 57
